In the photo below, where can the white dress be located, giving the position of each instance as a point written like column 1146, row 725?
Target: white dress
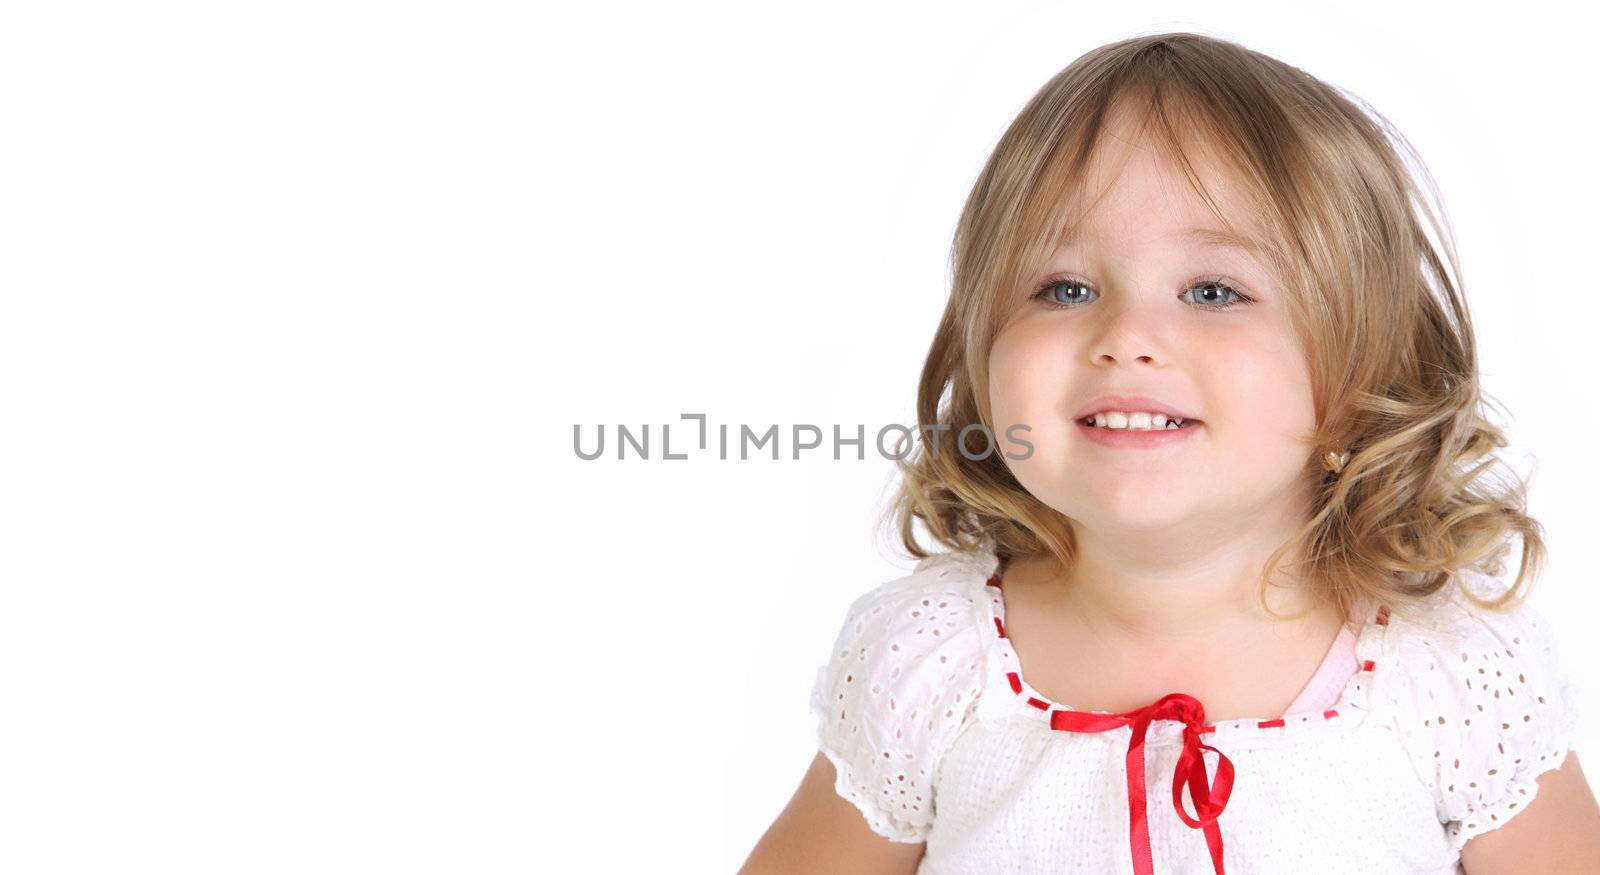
column 937, row 737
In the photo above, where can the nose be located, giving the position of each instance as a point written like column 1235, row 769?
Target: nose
column 1127, row 346
column 1131, row 335
column 1107, row 358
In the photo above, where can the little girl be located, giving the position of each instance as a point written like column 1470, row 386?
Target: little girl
column 1206, row 472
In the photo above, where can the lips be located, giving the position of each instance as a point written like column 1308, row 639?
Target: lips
column 1140, row 438
column 1134, row 403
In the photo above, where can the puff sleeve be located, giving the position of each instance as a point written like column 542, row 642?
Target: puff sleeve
column 1489, row 707
column 896, row 690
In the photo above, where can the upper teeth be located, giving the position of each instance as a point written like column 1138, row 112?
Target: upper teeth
column 1137, row 420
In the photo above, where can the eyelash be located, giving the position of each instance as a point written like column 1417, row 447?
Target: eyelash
column 1221, row 282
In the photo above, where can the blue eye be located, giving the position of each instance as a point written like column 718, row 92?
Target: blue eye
column 1221, row 290
column 1214, row 292
column 1047, row 290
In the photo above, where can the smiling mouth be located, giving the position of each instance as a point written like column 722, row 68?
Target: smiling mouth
column 1169, row 425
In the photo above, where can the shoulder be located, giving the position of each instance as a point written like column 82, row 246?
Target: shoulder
column 898, row 686
column 1484, row 703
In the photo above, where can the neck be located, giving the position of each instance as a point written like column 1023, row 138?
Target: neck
column 1165, row 591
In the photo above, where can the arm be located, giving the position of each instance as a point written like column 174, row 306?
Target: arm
column 821, row 832
column 1559, row 831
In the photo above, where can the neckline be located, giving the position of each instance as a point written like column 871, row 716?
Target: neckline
column 1339, row 661
column 1026, row 701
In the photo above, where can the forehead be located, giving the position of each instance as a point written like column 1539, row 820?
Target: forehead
column 1135, row 189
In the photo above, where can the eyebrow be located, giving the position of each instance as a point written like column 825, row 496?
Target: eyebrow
column 1215, row 237
column 1204, row 236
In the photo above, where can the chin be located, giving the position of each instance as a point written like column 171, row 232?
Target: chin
column 1149, row 511
column 1136, row 523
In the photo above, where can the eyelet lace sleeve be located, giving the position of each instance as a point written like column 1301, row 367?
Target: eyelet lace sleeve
column 1488, row 707
column 900, row 683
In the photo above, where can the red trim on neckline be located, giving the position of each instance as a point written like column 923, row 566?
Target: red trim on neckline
column 1209, row 801
column 1015, row 678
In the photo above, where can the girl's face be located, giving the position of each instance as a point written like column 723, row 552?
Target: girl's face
column 1127, row 309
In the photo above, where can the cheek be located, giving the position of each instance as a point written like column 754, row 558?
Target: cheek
column 1265, row 389
column 1029, row 380
column 1031, row 385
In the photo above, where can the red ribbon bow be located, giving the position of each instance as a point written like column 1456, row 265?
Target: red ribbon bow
column 1208, row 801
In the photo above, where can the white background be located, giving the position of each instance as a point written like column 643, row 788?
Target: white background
column 302, row 302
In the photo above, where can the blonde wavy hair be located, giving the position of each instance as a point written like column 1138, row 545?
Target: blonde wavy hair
column 1378, row 306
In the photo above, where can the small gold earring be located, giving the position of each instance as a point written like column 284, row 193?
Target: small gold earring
column 1335, row 459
